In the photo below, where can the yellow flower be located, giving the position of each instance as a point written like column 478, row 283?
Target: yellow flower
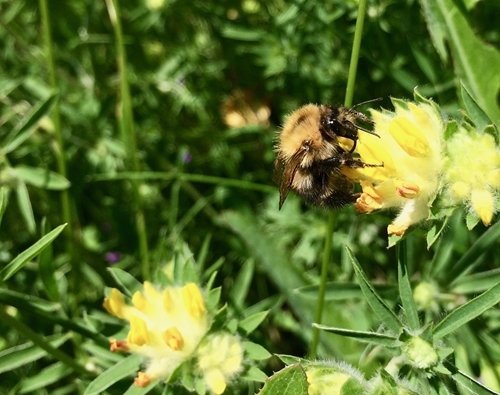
column 410, row 147
column 472, row 172
column 165, row 327
column 220, row 357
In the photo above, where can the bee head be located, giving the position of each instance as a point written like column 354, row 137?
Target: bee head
column 340, row 122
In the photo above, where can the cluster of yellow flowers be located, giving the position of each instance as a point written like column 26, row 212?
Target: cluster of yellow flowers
column 169, row 328
column 420, row 164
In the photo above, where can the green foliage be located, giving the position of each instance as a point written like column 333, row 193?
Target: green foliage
column 151, row 136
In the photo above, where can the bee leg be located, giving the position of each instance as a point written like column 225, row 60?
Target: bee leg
column 357, row 164
column 345, row 160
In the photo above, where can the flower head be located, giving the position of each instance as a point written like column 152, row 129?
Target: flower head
column 165, row 327
column 410, row 148
column 220, row 357
column 472, row 172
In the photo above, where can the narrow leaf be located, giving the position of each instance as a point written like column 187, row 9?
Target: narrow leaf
column 26, row 127
column 126, row 367
column 241, row 286
column 135, row 390
column 128, row 283
column 28, row 254
column 477, row 282
column 255, row 351
column 384, row 313
column 469, row 54
column 363, row 336
column 49, row 375
column 463, row 379
column 252, row 322
column 23, row 354
column 487, row 240
column 254, row 374
column 47, row 270
column 23, row 199
column 467, row 312
column 42, row 178
column 4, row 199
column 475, row 112
column 343, row 291
column 405, row 292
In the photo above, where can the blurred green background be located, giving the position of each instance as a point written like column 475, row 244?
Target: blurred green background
column 210, row 84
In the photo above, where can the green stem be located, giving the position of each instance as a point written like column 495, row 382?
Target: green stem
column 74, row 276
column 327, row 250
column 322, row 285
column 356, row 45
column 128, row 133
column 56, row 118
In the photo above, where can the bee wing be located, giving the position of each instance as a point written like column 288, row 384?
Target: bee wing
column 284, row 172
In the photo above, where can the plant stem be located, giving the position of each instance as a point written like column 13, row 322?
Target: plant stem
column 356, row 45
column 56, row 119
column 126, row 120
column 327, row 250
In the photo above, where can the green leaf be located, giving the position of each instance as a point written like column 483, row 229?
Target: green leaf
column 271, row 260
column 470, row 54
column 45, row 377
column 42, row 178
column 126, row 367
column 4, row 199
column 27, row 126
column 23, row 199
column 238, row 33
column 467, row 312
column 434, row 233
column 213, row 298
column 463, row 379
column 363, row 336
column 487, row 240
column 23, row 354
column 450, row 128
column 343, row 291
column 383, row 312
column 135, row 390
column 239, row 289
column 254, row 374
column 405, row 291
column 471, row 220
column 250, row 323
column 436, row 26
column 255, row 351
column 477, row 282
column 291, row 380
column 128, row 283
column 475, row 112
column 28, row 254
column 47, row 269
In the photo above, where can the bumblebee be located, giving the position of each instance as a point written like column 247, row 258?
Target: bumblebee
column 310, row 155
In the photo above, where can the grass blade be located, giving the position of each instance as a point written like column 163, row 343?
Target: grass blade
column 405, row 288
column 380, row 308
column 28, row 254
column 380, row 339
column 467, row 312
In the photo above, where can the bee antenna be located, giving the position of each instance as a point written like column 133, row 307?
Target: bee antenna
column 368, row 101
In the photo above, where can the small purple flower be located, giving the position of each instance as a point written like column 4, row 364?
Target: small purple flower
column 181, row 81
column 187, row 157
column 113, row 257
